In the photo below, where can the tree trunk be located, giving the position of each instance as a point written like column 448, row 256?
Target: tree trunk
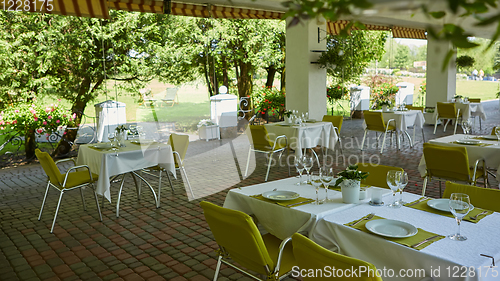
column 244, row 81
column 207, row 79
column 84, row 96
column 283, row 81
column 225, row 78
column 30, row 145
column 271, row 72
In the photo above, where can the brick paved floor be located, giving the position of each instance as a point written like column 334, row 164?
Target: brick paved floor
column 145, row 243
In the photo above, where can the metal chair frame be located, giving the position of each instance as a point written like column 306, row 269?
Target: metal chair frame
column 385, row 134
column 64, row 189
column 447, row 121
column 270, row 153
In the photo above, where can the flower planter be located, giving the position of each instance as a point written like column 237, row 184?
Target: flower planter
column 208, row 132
column 350, row 191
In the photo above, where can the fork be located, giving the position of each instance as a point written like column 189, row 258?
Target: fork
column 477, row 216
column 369, row 217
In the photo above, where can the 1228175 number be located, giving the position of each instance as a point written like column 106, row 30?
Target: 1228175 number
column 27, row 5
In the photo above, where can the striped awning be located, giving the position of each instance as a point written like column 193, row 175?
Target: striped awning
column 397, row 31
column 78, row 8
column 180, row 9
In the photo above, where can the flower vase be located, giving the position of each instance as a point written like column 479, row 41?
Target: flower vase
column 288, row 120
column 350, row 191
column 384, row 108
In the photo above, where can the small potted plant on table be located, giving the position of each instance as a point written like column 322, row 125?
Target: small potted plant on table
column 349, row 181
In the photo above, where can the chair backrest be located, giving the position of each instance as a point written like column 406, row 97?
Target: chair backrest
column 447, row 162
column 258, row 137
column 237, row 234
column 378, row 174
column 493, row 131
column 486, row 198
column 311, row 256
column 171, row 92
column 180, row 144
column 474, row 100
column 446, row 110
column 374, row 120
column 336, row 120
column 49, row 167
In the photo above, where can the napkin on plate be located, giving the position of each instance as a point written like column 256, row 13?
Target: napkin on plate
column 288, row 203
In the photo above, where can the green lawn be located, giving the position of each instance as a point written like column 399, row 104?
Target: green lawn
column 485, row 90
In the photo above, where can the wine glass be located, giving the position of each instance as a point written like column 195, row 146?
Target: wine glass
column 403, row 181
column 308, row 164
column 466, row 127
column 299, row 165
column 326, row 175
column 316, row 182
column 497, row 132
column 459, row 207
column 393, row 178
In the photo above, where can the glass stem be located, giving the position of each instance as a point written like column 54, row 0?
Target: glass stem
column 458, row 222
column 317, row 195
column 326, row 192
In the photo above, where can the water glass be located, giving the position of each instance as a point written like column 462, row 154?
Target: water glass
column 467, row 127
column 393, row 179
column 459, row 207
column 326, row 175
column 497, row 132
column 316, row 182
column 299, row 165
column 403, row 181
column 308, row 164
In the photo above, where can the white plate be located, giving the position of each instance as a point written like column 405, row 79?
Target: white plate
column 468, row 141
column 281, row 195
column 490, row 137
column 102, row 145
column 391, row 228
column 442, row 205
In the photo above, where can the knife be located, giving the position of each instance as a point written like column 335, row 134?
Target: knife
column 298, row 203
column 418, row 201
column 425, row 241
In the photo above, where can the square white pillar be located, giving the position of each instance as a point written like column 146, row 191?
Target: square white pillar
column 305, row 81
column 441, row 85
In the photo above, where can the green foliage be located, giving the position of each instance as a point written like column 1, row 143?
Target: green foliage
column 402, row 57
column 343, row 60
column 351, row 173
column 384, row 94
column 464, row 61
column 26, row 117
column 337, row 92
column 269, row 100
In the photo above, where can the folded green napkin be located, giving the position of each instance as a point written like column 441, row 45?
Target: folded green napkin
column 288, row 203
column 422, row 205
column 483, row 138
column 100, row 148
column 478, row 144
column 408, row 241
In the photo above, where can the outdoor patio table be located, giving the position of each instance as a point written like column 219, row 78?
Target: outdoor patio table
column 489, row 151
column 451, row 258
column 308, row 135
column 405, row 119
column 132, row 157
column 283, row 221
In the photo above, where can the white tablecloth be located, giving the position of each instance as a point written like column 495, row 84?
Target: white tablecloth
column 307, row 136
column 130, row 158
column 466, row 109
column 491, row 154
column 282, row 221
column 482, row 239
column 404, row 119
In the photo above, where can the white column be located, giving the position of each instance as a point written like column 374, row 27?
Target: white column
column 305, row 82
column 441, row 85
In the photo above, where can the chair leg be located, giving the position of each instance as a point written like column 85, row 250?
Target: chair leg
column 456, row 123
column 120, row 196
column 187, row 180
column 383, row 143
column 363, row 142
column 216, row 274
column 159, row 190
column 424, row 186
column 170, row 181
column 44, row 198
column 435, row 125
column 446, row 125
column 269, row 165
column 480, row 128
column 423, row 136
column 248, row 161
column 57, row 211
column 83, row 199
column 97, row 203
